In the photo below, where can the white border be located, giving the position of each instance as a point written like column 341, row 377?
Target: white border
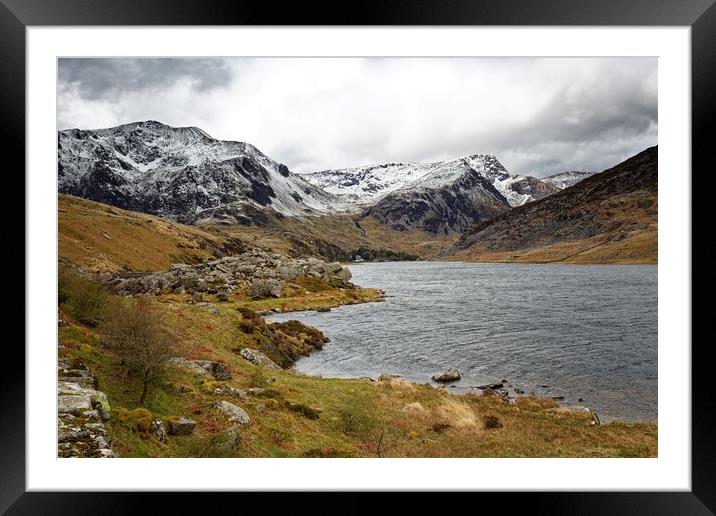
column 671, row 470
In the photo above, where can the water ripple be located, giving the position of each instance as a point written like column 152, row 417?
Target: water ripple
column 585, row 331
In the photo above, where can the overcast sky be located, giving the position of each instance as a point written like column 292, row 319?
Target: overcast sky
column 538, row 116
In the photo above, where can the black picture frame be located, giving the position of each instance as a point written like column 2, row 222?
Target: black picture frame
column 699, row 15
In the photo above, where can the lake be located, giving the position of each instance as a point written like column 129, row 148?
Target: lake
column 584, row 332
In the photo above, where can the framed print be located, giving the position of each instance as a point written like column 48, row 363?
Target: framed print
column 427, row 248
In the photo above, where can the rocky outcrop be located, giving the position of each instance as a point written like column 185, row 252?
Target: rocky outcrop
column 228, row 390
column 180, row 426
column 81, row 412
column 260, row 272
column 217, row 370
column 257, row 357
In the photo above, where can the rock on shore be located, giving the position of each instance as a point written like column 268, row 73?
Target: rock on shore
column 451, row 375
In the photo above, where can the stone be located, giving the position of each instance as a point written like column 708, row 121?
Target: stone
column 257, row 357
column 73, row 404
column 266, row 287
column 228, row 390
column 225, row 443
column 197, row 297
column 218, row 370
column 451, row 375
column 180, row 426
column 211, row 307
column 81, row 412
column 158, row 429
column 344, row 274
column 323, row 309
column 493, row 386
column 234, row 413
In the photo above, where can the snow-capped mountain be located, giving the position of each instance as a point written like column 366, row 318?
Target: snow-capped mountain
column 364, row 186
column 450, row 197
column 564, row 180
column 182, row 173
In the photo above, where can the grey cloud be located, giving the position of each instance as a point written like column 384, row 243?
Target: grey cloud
column 538, row 116
column 97, row 78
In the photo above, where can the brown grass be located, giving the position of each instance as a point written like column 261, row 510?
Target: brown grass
column 99, row 238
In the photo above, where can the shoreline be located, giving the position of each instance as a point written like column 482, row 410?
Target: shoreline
column 471, row 390
column 510, row 392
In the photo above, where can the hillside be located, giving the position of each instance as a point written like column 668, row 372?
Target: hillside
column 609, row 217
column 102, row 238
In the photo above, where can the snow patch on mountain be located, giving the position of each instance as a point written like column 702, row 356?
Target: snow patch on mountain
column 364, row 186
column 181, row 173
column 564, row 180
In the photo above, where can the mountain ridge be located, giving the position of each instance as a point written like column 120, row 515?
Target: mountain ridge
column 181, row 173
column 611, row 216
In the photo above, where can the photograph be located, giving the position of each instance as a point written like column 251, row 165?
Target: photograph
column 357, row 257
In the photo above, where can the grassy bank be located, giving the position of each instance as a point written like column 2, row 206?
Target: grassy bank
column 303, row 416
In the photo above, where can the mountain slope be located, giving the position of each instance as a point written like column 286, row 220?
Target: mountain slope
column 608, row 217
column 449, row 198
column 364, row 186
column 99, row 238
column 439, row 197
column 564, row 180
column 181, row 173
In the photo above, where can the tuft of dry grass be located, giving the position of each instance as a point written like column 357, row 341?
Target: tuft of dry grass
column 397, row 387
column 415, row 409
column 455, row 413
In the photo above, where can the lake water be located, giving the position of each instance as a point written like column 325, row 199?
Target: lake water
column 578, row 331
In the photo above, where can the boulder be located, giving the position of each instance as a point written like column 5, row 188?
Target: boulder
column 211, row 307
column 228, row 390
column 234, row 413
column 344, row 273
column 180, row 426
column 217, row 370
column 73, row 404
column 226, row 443
column 493, row 386
column 257, row 357
column 451, row 375
column 158, row 429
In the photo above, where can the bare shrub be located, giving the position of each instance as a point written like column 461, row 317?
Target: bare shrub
column 491, row 422
column 81, row 297
column 357, row 419
column 133, row 330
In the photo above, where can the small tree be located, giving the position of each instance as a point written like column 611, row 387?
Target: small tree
column 83, row 298
column 133, row 330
